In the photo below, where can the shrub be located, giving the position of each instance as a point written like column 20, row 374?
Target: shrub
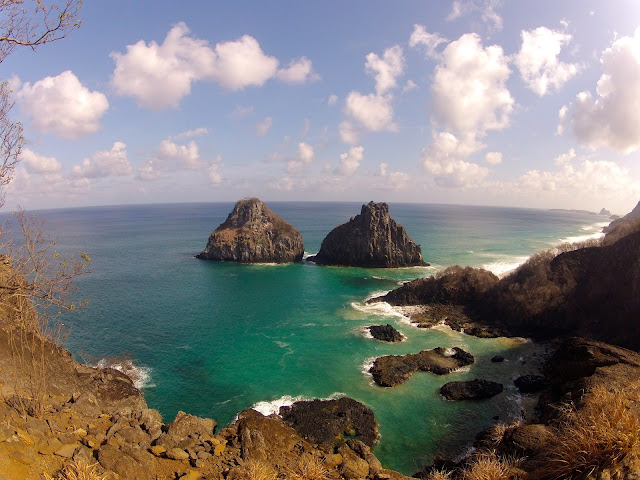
column 308, row 468
column 76, row 470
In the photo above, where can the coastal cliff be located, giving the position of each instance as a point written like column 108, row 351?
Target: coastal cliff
column 371, row 239
column 252, row 233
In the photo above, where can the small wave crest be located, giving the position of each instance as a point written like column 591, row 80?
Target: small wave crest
column 594, row 233
column 366, row 367
column 379, row 309
column 139, row 375
column 273, row 407
column 505, row 264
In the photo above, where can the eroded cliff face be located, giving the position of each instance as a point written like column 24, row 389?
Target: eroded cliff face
column 252, row 233
column 372, row 239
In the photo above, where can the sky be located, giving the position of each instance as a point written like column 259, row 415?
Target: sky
column 482, row 102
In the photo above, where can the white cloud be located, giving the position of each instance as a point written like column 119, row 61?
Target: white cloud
column 35, row 163
column 213, row 171
column 487, row 9
column 538, row 61
column 242, row 111
column 264, row 126
column 387, row 69
column 613, row 118
column 469, row 87
column 158, row 76
column 565, row 158
column 430, row 41
column 106, row 163
column 333, row 99
column 297, row 72
column 444, row 159
column 171, row 157
column 393, row 180
column 196, row 132
column 350, row 161
column 348, row 132
column 373, row 112
column 305, row 156
column 410, row 85
column 242, row 63
column 493, row 158
column 62, row 105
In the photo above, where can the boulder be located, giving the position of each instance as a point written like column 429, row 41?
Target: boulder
column 386, row 333
column 530, row 383
column 252, row 233
column 332, row 422
column 184, row 425
column 372, row 239
column 392, row 370
column 497, row 359
column 470, row 390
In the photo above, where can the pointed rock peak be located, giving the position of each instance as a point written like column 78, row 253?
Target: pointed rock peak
column 252, row 233
column 372, row 239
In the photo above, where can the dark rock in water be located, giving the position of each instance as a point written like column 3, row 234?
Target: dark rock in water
column 392, row 370
column 372, row 239
column 252, row 233
column 497, row 359
column 470, row 390
column 386, row 333
column 606, row 212
column 332, row 422
column 530, row 383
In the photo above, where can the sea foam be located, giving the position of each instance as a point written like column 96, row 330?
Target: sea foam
column 273, row 407
column 139, row 375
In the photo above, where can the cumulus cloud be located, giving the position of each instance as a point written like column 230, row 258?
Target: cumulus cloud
column 538, row 61
column 486, row 8
column 374, row 112
column 493, row 158
column 469, row 87
column 350, row 161
column 39, row 164
column 158, row 76
column 429, row 41
column 348, row 132
column 63, row 106
column 170, row 157
column 387, row 69
column 242, row 111
column 332, row 100
column 599, row 178
column 444, row 159
column 264, row 126
column 196, row 132
column 612, row 119
column 410, row 85
column 305, row 155
column 393, row 180
column 565, row 158
column 297, row 72
column 106, row 163
column 213, row 171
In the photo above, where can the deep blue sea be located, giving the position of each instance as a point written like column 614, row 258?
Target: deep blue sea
column 213, row 339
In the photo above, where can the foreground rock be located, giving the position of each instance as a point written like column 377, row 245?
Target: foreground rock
column 470, row 390
column 372, row 239
column 252, row 233
column 385, row 333
column 392, row 370
column 530, row 383
column 332, row 422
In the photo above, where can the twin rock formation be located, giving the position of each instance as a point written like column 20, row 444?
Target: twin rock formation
column 252, row 233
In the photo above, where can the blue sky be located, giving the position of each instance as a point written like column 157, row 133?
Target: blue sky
column 533, row 104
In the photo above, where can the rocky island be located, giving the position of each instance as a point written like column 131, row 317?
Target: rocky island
column 252, row 233
column 371, row 239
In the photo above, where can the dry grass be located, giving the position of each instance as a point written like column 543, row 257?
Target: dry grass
column 76, row 471
column 439, row 475
column 597, row 436
column 256, row 470
column 308, row 468
column 488, row 466
column 497, row 432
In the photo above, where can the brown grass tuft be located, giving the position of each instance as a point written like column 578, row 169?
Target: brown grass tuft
column 79, row 470
column 439, row 475
column 486, row 465
column 597, row 436
column 308, row 468
column 256, row 470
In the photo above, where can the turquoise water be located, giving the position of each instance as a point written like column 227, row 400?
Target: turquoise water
column 213, row 339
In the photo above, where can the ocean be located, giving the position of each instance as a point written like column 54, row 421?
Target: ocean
column 212, row 339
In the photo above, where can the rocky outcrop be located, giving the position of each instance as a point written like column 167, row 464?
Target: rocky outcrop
column 392, row 370
column 332, row 422
column 372, row 239
column 470, row 390
column 252, row 233
column 385, row 333
column 530, row 383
